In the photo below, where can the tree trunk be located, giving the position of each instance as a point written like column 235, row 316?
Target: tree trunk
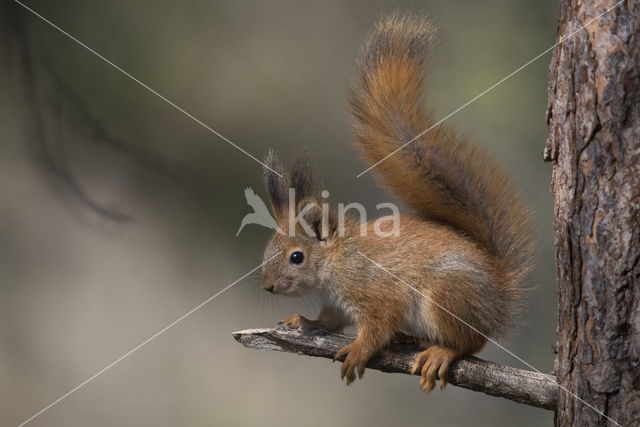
column 594, row 144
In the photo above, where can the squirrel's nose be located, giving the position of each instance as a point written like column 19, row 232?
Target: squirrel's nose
column 268, row 288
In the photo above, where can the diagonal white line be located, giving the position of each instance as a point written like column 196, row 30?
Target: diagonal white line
column 490, row 88
column 143, row 343
column 485, row 336
column 153, row 91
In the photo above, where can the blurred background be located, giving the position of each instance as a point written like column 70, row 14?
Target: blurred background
column 118, row 213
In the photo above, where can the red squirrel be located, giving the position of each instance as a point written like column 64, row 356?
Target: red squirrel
column 451, row 277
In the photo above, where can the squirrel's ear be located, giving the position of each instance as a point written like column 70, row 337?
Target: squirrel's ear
column 277, row 186
column 321, row 221
column 303, row 179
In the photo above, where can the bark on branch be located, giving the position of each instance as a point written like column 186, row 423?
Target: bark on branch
column 530, row 388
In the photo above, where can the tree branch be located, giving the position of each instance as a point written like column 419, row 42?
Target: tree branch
column 530, row 388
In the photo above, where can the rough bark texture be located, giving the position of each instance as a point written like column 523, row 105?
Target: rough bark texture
column 522, row 386
column 594, row 144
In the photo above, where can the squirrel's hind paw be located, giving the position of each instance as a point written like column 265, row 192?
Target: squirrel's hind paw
column 435, row 359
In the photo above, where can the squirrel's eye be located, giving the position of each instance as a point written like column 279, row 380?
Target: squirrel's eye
column 296, row 257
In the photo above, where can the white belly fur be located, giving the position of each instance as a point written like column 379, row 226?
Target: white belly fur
column 419, row 320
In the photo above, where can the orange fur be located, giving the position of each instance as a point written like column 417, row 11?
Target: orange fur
column 460, row 258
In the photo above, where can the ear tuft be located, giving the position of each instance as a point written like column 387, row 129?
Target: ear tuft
column 303, row 179
column 277, row 187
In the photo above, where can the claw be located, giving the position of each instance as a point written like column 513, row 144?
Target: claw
column 354, row 362
column 443, row 373
column 432, row 360
column 296, row 321
column 361, row 367
column 342, row 352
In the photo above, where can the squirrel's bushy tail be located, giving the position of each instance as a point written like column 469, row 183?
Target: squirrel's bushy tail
column 439, row 173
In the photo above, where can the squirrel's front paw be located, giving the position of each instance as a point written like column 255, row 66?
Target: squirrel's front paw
column 356, row 358
column 432, row 360
column 296, row 321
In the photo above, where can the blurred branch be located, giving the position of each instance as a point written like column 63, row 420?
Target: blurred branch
column 44, row 99
column 59, row 122
column 530, row 388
